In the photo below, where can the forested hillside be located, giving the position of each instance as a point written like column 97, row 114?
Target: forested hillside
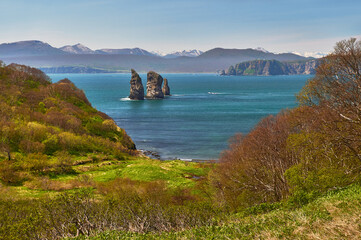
column 44, row 125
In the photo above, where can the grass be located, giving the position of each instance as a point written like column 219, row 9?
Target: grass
column 249, row 71
column 176, row 174
column 24, row 192
column 333, row 216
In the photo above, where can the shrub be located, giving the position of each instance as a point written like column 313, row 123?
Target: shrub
column 37, row 163
column 27, row 146
column 252, row 170
column 51, row 144
column 9, row 173
column 64, row 163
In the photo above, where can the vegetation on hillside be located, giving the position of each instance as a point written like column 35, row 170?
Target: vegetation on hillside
column 67, row 170
column 303, row 152
column 44, row 126
column 336, row 215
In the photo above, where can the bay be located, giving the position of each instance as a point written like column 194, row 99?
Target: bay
column 197, row 121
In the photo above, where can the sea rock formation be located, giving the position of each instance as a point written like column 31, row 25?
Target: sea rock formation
column 165, row 89
column 154, row 86
column 136, row 87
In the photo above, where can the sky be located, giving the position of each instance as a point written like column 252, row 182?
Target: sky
column 170, row 25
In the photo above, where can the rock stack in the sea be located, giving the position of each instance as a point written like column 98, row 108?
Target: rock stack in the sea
column 136, row 87
column 154, row 86
column 165, row 89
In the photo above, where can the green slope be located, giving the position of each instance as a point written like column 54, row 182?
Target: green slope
column 333, row 216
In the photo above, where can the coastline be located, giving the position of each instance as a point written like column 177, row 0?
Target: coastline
column 156, row 155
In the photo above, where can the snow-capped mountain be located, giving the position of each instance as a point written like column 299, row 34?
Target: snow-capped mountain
column 158, row 53
column 312, row 54
column 184, row 53
column 261, row 49
column 77, row 49
column 128, row 51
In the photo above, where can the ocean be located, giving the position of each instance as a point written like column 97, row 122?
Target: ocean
column 203, row 113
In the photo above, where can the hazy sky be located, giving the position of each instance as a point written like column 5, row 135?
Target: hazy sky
column 167, row 25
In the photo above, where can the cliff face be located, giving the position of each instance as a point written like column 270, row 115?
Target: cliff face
column 154, row 86
column 136, row 87
column 308, row 67
column 273, row 67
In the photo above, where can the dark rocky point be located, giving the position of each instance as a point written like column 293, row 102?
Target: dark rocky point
column 231, row 71
column 165, row 89
column 136, row 87
column 154, row 86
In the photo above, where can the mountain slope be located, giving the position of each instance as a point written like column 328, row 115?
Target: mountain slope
column 249, row 54
column 28, row 48
column 125, row 51
column 184, row 53
column 77, row 49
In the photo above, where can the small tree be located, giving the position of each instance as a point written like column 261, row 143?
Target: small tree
column 336, row 88
column 337, row 84
column 252, row 170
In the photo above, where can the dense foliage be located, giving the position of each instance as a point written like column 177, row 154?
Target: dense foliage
column 43, row 125
column 124, row 206
column 305, row 151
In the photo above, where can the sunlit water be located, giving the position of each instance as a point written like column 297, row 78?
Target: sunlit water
column 204, row 111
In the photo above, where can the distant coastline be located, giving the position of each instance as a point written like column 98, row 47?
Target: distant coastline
column 80, row 59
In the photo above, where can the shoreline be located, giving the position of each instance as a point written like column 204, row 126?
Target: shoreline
column 156, row 155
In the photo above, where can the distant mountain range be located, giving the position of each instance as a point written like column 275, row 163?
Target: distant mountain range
column 79, row 58
column 184, row 53
column 125, row 51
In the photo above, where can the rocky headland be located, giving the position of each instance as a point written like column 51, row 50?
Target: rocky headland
column 272, row 67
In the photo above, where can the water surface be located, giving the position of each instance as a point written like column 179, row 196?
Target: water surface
column 204, row 111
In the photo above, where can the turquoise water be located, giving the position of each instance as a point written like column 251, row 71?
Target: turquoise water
column 204, row 111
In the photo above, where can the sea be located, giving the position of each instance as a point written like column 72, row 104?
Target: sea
column 202, row 114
